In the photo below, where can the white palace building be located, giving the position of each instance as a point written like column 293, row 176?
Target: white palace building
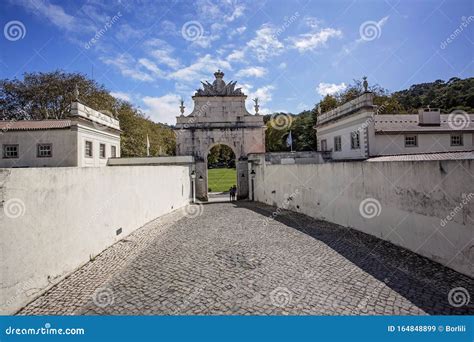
column 87, row 138
column 355, row 131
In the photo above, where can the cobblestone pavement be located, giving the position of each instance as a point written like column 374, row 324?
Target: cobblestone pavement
column 234, row 259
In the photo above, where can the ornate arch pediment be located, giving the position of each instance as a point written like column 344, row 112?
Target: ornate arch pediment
column 219, row 87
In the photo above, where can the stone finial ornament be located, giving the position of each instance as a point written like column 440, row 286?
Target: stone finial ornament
column 181, row 107
column 365, row 84
column 257, row 106
column 76, row 93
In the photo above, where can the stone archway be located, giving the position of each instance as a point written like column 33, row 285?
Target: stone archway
column 221, row 171
column 220, row 117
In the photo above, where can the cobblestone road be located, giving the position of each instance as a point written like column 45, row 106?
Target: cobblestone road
column 233, row 259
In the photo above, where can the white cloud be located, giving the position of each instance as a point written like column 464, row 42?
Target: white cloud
column 127, row 33
column 240, row 29
column 53, row 13
column 205, row 41
column 312, row 22
column 127, row 66
column 237, row 55
column 265, row 44
column 163, row 57
column 330, row 88
column 256, row 71
column 238, row 11
column 150, row 66
column 312, row 40
column 121, row 95
column 199, row 70
column 162, row 109
column 162, row 52
column 264, row 95
column 282, row 65
column 226, row 11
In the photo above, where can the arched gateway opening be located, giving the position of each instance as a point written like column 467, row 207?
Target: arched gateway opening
column 221, row 172
column 219, row 117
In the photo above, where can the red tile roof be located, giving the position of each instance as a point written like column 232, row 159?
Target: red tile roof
column 31, row 125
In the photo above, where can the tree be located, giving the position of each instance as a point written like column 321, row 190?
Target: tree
column 448, row 96
column 49, row 95
column 221, row 154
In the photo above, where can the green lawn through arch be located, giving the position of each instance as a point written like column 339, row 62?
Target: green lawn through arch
column 221, row 179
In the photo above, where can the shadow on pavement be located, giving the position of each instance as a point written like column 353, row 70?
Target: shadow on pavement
column 423, row 282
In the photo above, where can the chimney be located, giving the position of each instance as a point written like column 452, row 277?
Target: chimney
column 429, row 116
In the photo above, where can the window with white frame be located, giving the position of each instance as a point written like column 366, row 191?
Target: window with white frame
column 337, row 143
column 113, row 151
column 10, row 151
column 44, row 150
column 102, row 151
column 411, row 140
column 88, row 149
column 456, row 140
column 355, row 140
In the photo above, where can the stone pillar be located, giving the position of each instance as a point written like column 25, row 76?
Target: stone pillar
column 201, row 180
column 242, row 179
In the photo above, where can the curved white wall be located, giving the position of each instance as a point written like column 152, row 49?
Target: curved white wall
column 66, row 215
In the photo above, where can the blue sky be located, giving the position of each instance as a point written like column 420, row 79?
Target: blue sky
column 286, row 53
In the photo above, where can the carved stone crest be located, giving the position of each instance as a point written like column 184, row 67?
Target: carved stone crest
column 219, row 87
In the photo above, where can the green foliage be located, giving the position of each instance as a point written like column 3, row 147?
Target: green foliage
column 448, row 96
column 220, row 180
column 302, row 131
column 220, row 154
column 275, row 134
column 49, row 95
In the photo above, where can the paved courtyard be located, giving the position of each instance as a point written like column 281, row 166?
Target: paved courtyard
column 231, row 258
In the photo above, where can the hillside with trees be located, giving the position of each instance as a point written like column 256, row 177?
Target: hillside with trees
column 49, row 95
